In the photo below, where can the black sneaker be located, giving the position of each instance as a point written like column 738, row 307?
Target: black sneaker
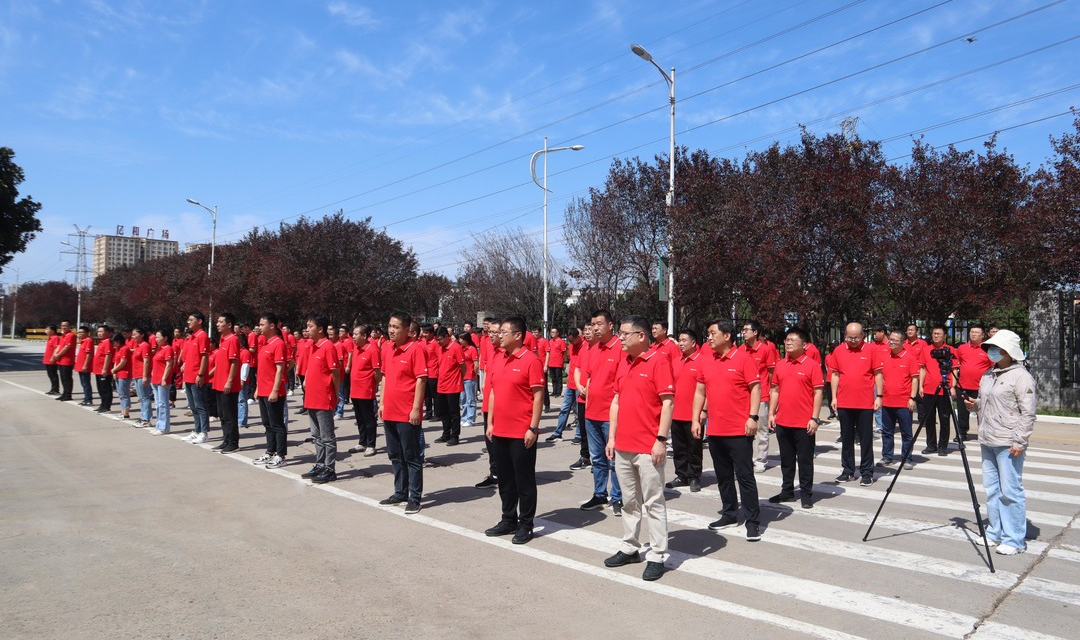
column 582, row 463
column 616, row 508
column 412, row 507
column 302, row 411
column 653, row 571
column 328, row 475
column 885, row 463
column 620, row 558
column 442, row 439
column 229, row 449
column 594, row 503
column 523, row 535
column 782, row 497
column 553, row 438
column 452, row 442
column 942, row 452
column 392, row 500
column 487, row 482
column 576, row 441
column 753, row 533
column 504, row 528
column 930, row 450
column 807, row 502
column 844, row 477
column 866, row 481
column 695, row 485
column 676, row 483
column 725, row 522
column 311, row 473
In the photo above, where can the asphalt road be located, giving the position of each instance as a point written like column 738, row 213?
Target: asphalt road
column 108, row 532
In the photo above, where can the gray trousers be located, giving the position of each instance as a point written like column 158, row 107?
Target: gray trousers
column 322, row 430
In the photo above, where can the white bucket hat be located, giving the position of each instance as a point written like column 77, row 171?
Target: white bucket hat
column 1008, row 342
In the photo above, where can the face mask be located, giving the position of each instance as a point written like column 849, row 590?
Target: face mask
column 994, row 353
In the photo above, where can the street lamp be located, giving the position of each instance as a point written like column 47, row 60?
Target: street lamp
column 642, row 53
column 3, row 303
column 209, row 267
column 532, row 169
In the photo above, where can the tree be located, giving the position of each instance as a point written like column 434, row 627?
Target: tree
column 501, row 275
column 45, row 303
column 18, row 216
column 429, row 290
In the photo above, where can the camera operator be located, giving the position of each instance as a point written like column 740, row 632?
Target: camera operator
column 933, row 358
column 973, row 364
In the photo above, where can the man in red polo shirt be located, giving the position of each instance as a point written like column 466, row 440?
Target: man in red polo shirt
column 405, row 373
column 449, row 386
column 686, row 449
column 569, row 394
column 321, row 398
column 270, row 389
column 541, row 351
column 64, row 358
column 914, row 344
column 880, row 342
column 794, row 405
column 365, row 375
column 663, row 342
column 227, row 382
column 51, row 368
column 303, row 354
column 514, row 405
column 431, row 351
column 556, row 361
column 900, row 377
column 765, row 356
column 84, row 359
column 601, row 368
column 102, row 366
column 494, row 361
column 973, row 364
column 196, row 363
column 730, row 385
column 856, row 394
column 637, row 442
column 935, row 405
column 581, row 380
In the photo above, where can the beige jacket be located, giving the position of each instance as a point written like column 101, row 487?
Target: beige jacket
column 1006, row 406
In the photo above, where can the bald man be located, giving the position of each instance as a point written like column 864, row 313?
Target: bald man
column 857, row 387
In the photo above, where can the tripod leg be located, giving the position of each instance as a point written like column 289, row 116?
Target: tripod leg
column 896, row 476
column 971, row 487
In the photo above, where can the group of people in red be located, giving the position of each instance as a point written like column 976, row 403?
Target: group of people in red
column 635, row 392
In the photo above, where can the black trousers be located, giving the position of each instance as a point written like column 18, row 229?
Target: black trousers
column 688, row 450
column 448, row 408
column 491, row 457
column 515, row 467
column 932, row 409
column 227, row 412
column 212, row 402
column 796, row 448
column 430, row 393
column 857, row 424
column 962, row 413
column 273, row 420
column 556, row 374
column 547, row 398
column 66, row 379
column 53, row 371
column 733, row 461
column 105, row 391
column 364, row 411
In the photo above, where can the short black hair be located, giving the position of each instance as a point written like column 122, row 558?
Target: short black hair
column 517, row 323
column 798, row 332
column 639, row 323
column 878, row 327
column 939, row 326
column 690, row 332
column 404, row 318
column 198, row 316
column 723, row 325
column 602, row 313
column 319, row 320
column 662, row 323
column 572, row 332
column 229, row 318
column 754, row 325
column 442, row 332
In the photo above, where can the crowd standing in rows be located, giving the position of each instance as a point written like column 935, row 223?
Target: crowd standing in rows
column 633, row 390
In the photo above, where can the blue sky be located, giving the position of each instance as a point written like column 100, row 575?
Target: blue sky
column 423, row 115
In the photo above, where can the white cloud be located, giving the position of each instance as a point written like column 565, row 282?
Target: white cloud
column 353, row 15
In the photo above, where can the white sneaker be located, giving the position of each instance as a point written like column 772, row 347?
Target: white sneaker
column 199, row 439
column 993, row 543
column 157, row 432
column 289, row 392
column 263, row 459
column 189, row 437
column 275, row 462
column 250, row 402
column 1007, row 550
column 759, row 467
column 370, row 452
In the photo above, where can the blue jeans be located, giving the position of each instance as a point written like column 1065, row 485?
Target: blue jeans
column 343, row 397
column 891, row 416
column 1005, row 503
column 879, row 420
column 87, row 390
column 403, row 446
column 569, row 403
column 242, row 406
column 161, row 399
column 468, row 402
column 146, row 398
column 196, row 399
column 123, row 393
column 602, row 468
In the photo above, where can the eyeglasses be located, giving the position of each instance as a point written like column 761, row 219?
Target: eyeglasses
column 623, row 335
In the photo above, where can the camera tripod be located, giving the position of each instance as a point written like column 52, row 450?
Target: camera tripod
column 942, row 390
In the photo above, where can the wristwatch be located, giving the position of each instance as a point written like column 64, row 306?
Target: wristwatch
column 817, row 421
column 535, row 430
column 754, row 416
column 661, row 438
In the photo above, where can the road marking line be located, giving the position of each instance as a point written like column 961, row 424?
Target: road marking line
column 997, row 631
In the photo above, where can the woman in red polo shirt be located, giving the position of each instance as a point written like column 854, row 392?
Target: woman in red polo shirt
column 121, row 371
column 163, row 362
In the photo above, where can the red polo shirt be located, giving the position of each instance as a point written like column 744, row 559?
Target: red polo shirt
column 933, row 369
column 195, row 346
column 686, row 373
column 138, row 357
column 973, row 364
column 227, row 353
column 641, row 383
column 813, row 352
column 122, row 355
column 303, row 354
column 402, row 367
column 530, row 341
column 670, row 347
column 365, row 362
column 856, row 367
column 557, row 352
column 450, row 360
column 104, row 348
column 86, row 349
column 795, row 380
column 469, row 353
column 898, row 369
column 161, row 358
column 514, row 379
column 50, row 349
column 270, row 355
column 319, row 390
column 68, row 358
column 602, row 366
column 916, row 347
column 573, row 361
column 765, row 356
column 493, row 366
column 728, row 380
column 485, row 352
column 431, row 353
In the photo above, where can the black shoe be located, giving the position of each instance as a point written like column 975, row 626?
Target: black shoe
column 504, row 528
column 844, row 477
column 523, row 535
column 85, row 403
column 392, row 500
column 101, row 410
column 695, row 485
column 725, row 522
column 753, row 533
column 576, row 441
column 442, row 439
column 52, row 393
column 314, row 471
column 653, row 571
column 553, row 438
column 412, row 507
column 616, row 508
column 594, row 503
column 782, row 497
column 452, row 442
column 807, row 502
column 487, row 482
column 866, row 481
column 229, row 449
column 885, row 463
column 63, row 398
column 582, row 463
column 620, row 558
column 428, row 416
column 328, row 475
column 677, row 482
column 301, row 412
column 218, row 448
column 942, row 452
column 930, row 450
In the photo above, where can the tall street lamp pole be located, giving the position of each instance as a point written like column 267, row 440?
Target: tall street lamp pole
column 209, row 267
column 641, row 52
column 532, row 169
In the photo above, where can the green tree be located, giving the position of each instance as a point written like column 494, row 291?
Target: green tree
column 18, row 217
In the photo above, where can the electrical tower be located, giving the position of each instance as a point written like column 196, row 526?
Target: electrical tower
column 81, row 270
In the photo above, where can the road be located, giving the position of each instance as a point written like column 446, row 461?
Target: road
column 108, row 532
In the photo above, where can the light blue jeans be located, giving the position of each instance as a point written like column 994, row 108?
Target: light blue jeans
column 242, row 406
column 468, row 402
column 146, row 398
column 161, row 399
column 123, row 393
column 1005, row 503
column 569, row 404
column 602, row 468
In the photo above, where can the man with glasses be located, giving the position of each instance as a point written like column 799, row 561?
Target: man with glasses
column 856, row 386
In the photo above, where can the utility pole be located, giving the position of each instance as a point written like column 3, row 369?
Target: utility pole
column 14, row 303
column 81, row 270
